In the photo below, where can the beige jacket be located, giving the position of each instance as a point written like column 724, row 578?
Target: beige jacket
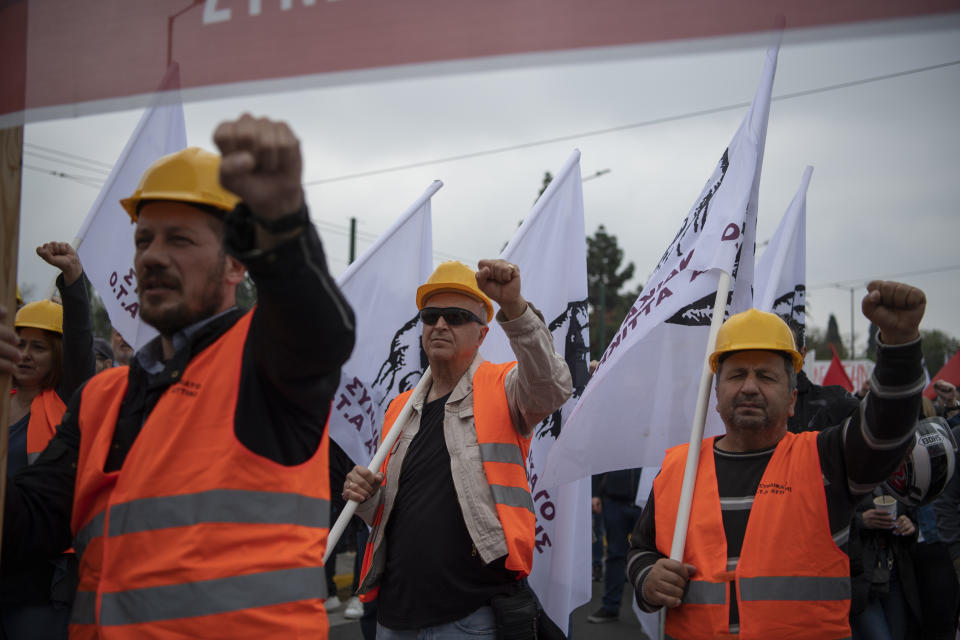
column 537, row 386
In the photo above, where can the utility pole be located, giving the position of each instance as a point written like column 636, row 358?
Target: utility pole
column 353, row 240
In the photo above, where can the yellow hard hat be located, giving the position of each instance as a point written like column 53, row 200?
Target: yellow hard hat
column 754, row 329
column 45, row 314
column 19, row 297
column 191, row 175
column 453, row 277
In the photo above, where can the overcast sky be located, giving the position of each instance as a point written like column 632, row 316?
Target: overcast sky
column 883, row 200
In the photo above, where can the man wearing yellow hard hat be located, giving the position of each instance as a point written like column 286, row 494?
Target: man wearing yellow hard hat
column 765, row 553
column 193, row 484
column 452, row 514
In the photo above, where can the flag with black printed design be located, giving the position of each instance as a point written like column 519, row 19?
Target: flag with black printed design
column 642, row 397
column 550, row 250
column 381, row 286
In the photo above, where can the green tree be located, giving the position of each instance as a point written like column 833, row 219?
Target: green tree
column 819, row 341
column 605, row 279
column 937, row 348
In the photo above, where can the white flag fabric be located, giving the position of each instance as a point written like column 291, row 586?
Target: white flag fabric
column 381, row 286
column 642, row 397
column 781, row 281
column 550, row 250
column 105, row 240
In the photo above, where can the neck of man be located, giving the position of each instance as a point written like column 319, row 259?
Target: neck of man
column 741, row 440
column 445, row 375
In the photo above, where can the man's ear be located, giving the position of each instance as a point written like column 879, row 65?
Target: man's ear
column 793, row 404
column 233, row 273
column 483, row 334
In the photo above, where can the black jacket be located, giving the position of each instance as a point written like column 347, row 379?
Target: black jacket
column 819, row 407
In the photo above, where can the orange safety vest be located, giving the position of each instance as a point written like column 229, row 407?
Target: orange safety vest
column 195, row 536
column 46, row 412
column 793, row 581
column 504, row 455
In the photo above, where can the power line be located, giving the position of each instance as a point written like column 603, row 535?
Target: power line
column 847, row 283
column 625, row 127
column 84, row 180
column 74, row 156
column 78, row 165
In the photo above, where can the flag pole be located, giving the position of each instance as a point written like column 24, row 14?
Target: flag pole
column 696, row 430
column 338, row 527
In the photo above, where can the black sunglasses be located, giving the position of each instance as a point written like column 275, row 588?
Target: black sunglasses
column 453, row 316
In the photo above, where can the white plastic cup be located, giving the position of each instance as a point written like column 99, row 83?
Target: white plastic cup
column 887, row 504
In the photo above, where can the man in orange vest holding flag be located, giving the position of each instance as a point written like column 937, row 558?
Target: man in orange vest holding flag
column 765, row 550
column 193, row 484
column 452, row 515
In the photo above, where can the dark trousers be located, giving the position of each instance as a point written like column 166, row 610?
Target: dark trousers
column 939, row 592
column 619, row 519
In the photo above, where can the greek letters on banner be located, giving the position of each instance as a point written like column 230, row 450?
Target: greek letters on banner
column 642, row 397
column 105, row 240
column 387, row 359
column 782, row 269
column 550, row 251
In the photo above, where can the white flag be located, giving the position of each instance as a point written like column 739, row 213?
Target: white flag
column 642, row 397
column 781, row 281
column 105, row 240
column 387, row 360
column 550, row 250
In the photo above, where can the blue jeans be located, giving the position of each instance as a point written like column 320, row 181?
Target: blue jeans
column 475, row 626
column 885, row 617
column 619, row 519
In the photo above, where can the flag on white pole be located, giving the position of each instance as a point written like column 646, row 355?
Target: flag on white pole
column 105, row 240
column 781, row 281
column 381, row 286
column 642, row 397
column 550, row 250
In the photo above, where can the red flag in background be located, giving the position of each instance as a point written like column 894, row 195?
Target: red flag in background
column 949, row 372
column 836, row 375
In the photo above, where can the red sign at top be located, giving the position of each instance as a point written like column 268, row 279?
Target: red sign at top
column 69, row 53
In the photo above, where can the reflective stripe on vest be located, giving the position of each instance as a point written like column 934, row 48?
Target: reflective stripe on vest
column 794, row 588
column 195, row 533
column 191, row 599
column 779, row 594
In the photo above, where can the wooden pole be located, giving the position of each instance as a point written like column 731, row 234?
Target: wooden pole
column 11, row 161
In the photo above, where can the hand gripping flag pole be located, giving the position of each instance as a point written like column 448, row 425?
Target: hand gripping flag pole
column 378, row 458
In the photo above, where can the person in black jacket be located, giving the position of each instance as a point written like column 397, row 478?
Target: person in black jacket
column 615, row 496
column 885, row 601
column 194, row 238
column 817, row 407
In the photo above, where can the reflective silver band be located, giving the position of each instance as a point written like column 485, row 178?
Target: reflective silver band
column 502, row 452
column 702, row 592
column 91, row 530
column 736, row 504
column 32, row 457
column 84, row 608
column 794, row 588
column 219, row 505
column 512, row 496
column 894, row 392
column 210, row 597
